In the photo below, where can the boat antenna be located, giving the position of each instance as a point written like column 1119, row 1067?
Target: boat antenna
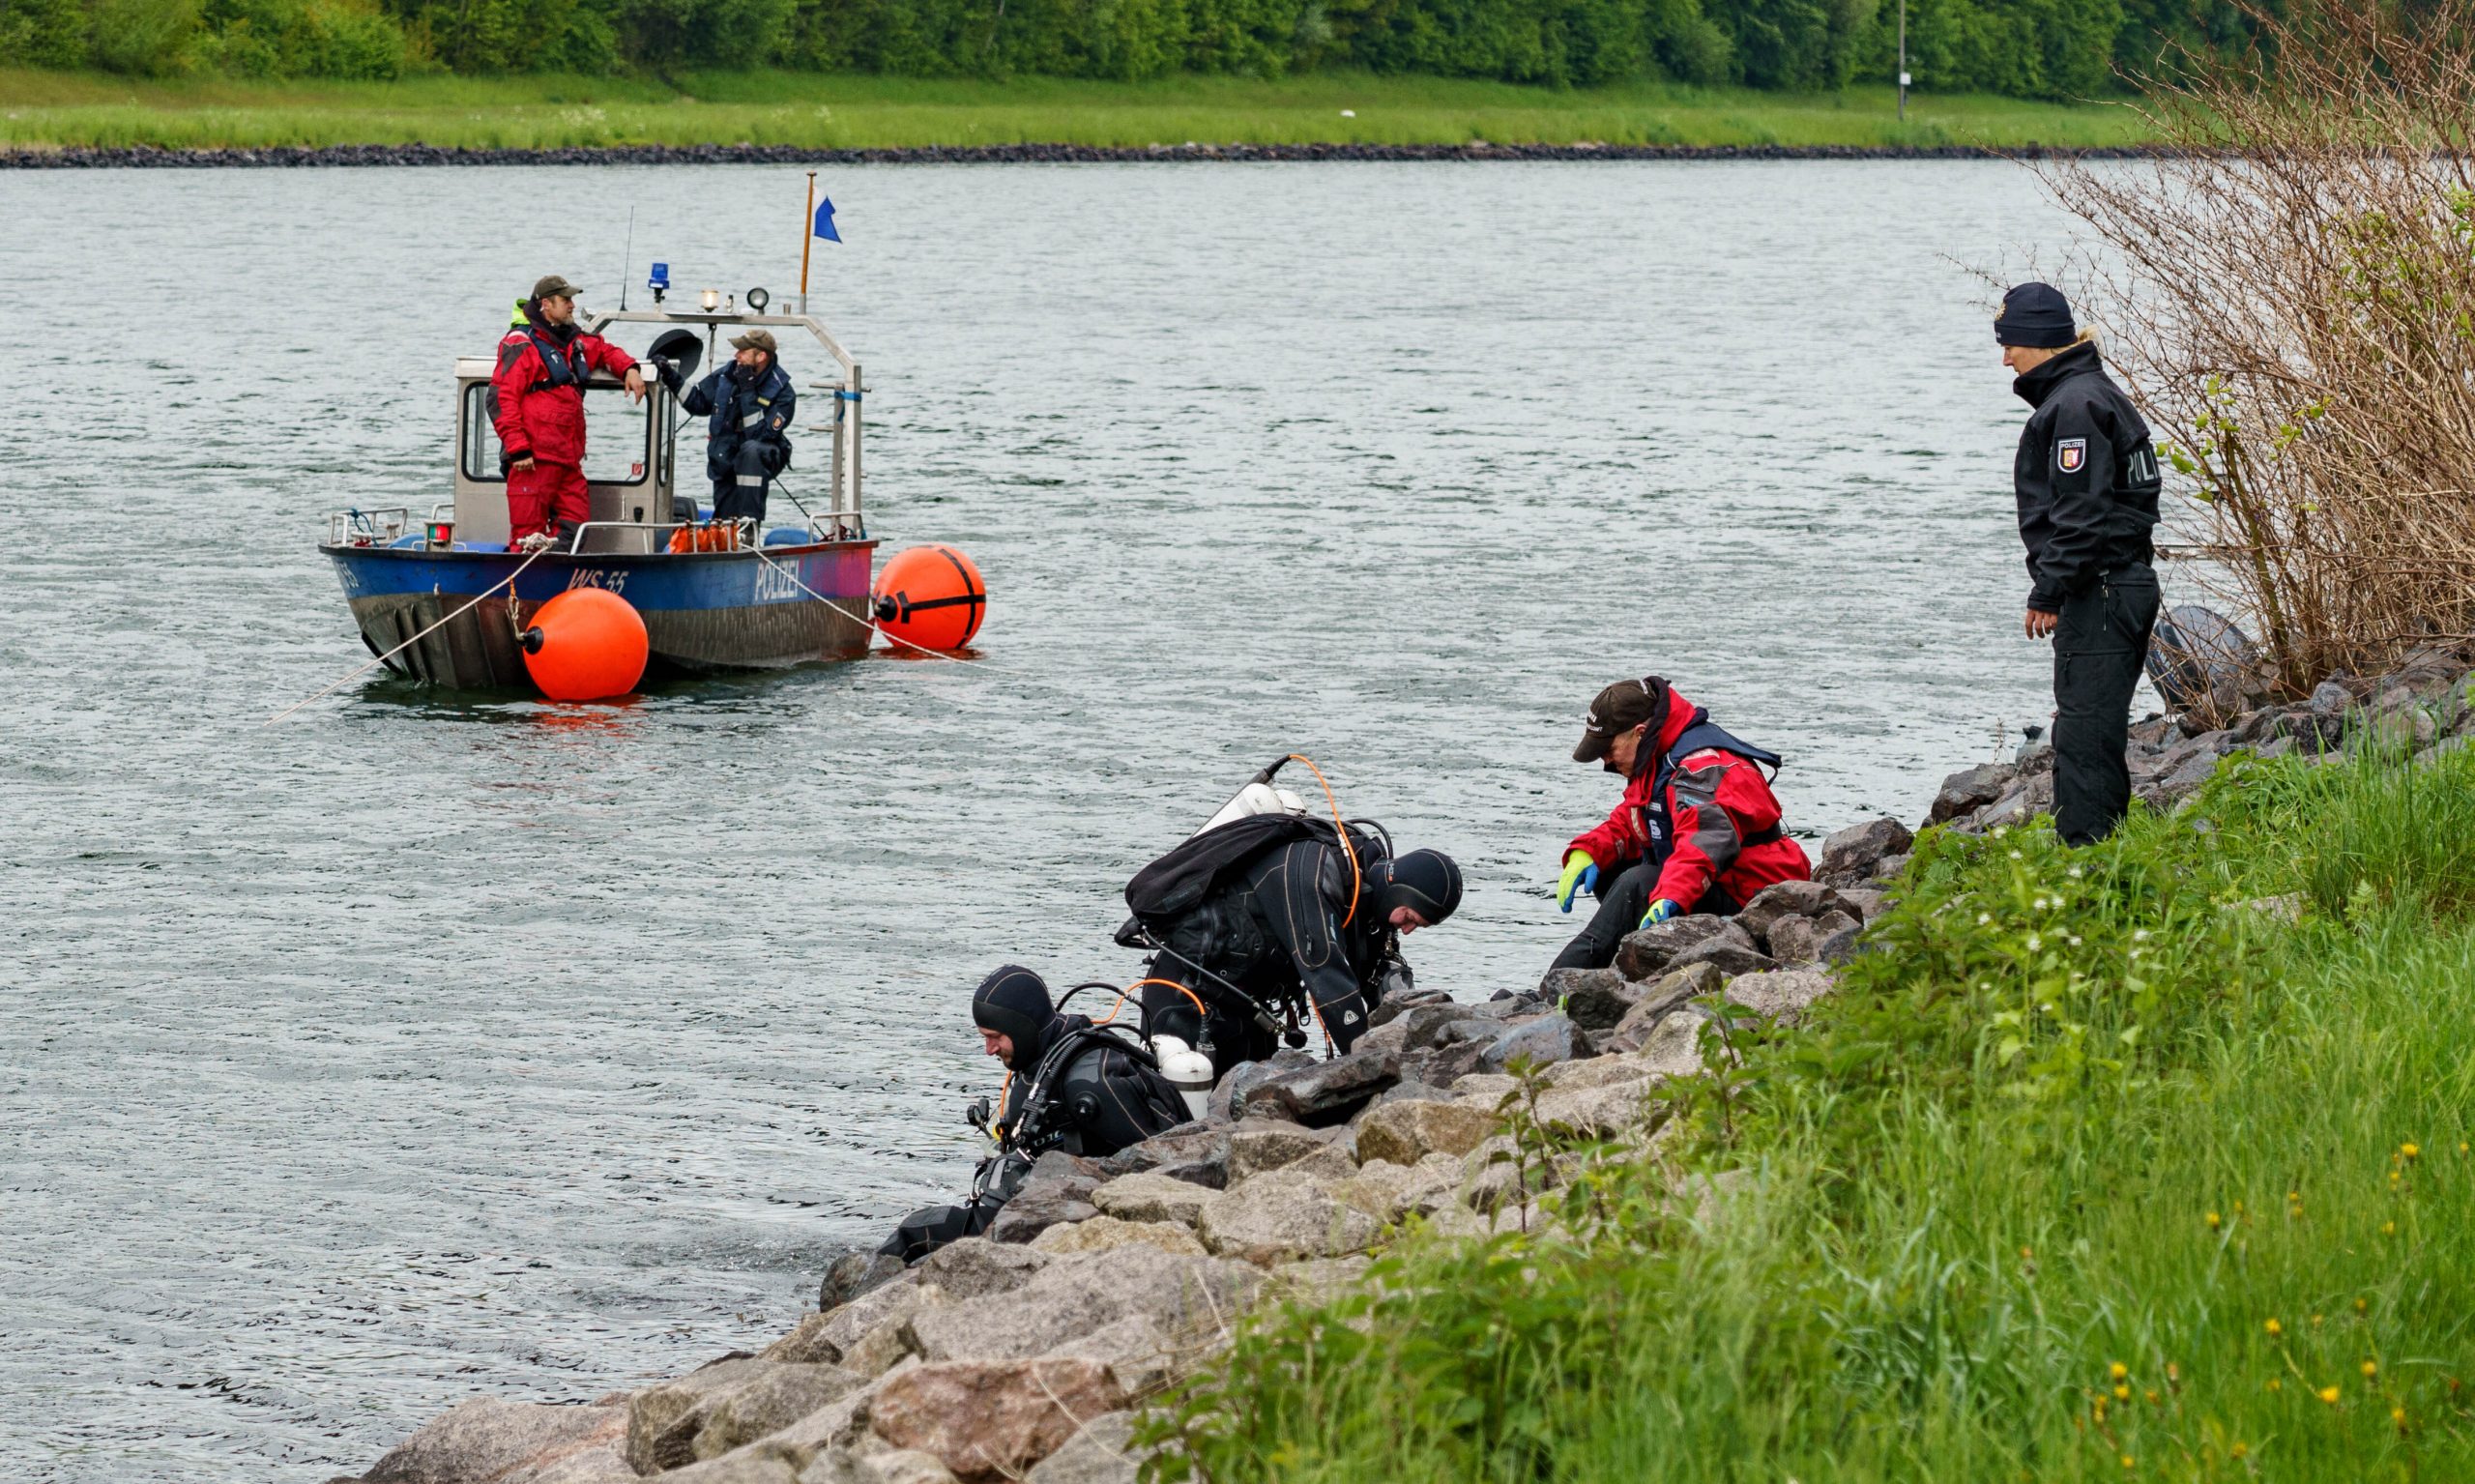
column 627, row 267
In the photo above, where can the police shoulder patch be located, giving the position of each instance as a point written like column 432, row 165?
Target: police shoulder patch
column 2070, row 453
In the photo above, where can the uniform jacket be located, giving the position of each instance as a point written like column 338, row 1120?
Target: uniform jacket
column 539, row 390
column 745, row 413
column 1712, row 814
column 2085, row 475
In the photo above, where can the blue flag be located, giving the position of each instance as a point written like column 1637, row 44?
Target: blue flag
column 824, row 222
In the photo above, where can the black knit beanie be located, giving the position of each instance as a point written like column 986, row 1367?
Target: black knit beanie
column 1426, row 882
column 1014, row 1002
column 2035, row 316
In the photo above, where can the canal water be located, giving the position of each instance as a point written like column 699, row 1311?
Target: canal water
column 425, row 1047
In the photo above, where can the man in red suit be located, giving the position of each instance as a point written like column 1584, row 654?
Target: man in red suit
column 537, row 393
column 1697, row 829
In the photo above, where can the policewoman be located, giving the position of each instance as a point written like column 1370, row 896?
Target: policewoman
column 2087, row 483
column 750, row 403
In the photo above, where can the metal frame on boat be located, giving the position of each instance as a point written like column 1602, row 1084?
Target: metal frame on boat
column 748, row 598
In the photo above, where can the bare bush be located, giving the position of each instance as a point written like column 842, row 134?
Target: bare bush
column 2291, row 294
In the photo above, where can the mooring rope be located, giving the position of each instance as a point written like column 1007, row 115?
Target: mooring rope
column 509, row 584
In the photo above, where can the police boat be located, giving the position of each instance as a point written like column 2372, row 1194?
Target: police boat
column 714, row 595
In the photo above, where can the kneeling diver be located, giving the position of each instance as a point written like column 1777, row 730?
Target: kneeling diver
column 1274, row 911
column 1069, row 1086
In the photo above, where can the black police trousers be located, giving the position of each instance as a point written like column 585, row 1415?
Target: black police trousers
column 2099, row 648
column 930, row 1228
column 1620, row 906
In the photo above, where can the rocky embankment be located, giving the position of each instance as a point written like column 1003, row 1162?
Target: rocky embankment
column 1026, row 1354
column 278, row 157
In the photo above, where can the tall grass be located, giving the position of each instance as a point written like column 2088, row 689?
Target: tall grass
column 2079, row 1110
column 45, row 110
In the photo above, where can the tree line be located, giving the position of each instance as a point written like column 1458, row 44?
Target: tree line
column 2029, row 48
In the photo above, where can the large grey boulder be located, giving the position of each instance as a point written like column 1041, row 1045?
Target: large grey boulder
column 1059, row 1188
column 1784, row 993
column 1731, row 954
column 712, row 1410
column 1403, row 1133
column 976, row 1268
column 1786, row 899
column 993, row 1419
column 1258, row 1145
column 1394, row 1006
column 1800, row 939
column 1190, row 1152
column 1246, row 1076
column 854, row 1274
column 1851, row 855
column 1283, row 1216
column 1323, row 1094
column 1595, row 998
column 1151, row 1196
column 1970, row 789
column 1100, row 1452
column 1078, row 1294
column 1645, row 954
column 1106, row 1234
column 487, row 1438
column 1544, row 1041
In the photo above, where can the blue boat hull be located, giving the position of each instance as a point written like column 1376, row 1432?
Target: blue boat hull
column 703, row 611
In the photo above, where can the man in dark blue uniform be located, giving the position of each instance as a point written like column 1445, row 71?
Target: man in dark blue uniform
column 751, row 403
column 2086, row 481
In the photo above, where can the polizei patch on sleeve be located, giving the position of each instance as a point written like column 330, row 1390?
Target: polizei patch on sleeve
column 2069, row 453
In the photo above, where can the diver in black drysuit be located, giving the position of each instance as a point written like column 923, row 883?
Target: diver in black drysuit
column 1069, row 1086
column 1290, row 921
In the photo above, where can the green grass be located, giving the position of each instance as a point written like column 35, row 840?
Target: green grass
column 45, row 109
column 2078, row 1110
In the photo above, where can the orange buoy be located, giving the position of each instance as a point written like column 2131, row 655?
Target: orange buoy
column 586, row 645
column 931, row 597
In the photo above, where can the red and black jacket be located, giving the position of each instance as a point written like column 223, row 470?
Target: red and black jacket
column 1699, row 810
column 537, row 391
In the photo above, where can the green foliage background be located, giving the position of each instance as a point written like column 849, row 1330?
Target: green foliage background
column 2026, row 49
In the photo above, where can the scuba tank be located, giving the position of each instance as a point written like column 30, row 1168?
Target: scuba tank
column 1258, row 796
column 1187, row 1069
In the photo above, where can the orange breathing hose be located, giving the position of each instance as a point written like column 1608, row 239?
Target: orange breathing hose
column 1190, row 995
column 1357, row 878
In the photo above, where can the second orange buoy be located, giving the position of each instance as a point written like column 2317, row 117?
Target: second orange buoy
column 931, row 597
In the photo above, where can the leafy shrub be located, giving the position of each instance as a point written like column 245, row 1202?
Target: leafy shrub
column 341, row 39
column 42, row 33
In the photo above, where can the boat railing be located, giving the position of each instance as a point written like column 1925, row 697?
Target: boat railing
column 384, row 525
column 652, row 537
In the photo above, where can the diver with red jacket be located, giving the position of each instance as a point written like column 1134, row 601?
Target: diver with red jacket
column 1697, row 830
column 536, row 398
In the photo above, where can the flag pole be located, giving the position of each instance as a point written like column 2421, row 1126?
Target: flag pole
column 808, row 240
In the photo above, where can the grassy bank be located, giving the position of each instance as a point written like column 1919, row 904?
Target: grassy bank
column 2145, row 1161
column 47, row 109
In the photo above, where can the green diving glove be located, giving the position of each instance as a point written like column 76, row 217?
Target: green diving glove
column 1660, row 911
column 1580, row 870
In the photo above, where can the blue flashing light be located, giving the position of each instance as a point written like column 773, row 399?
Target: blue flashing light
column 660, row 277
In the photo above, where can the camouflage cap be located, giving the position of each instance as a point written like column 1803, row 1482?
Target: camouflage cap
column 756, row 339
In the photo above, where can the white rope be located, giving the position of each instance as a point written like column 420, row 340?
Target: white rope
column 510, row 585
column 836, row 605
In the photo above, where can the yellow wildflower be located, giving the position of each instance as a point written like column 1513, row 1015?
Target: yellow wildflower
column 2119, row 1370
column 2275, row 1329
column 2329, row 1394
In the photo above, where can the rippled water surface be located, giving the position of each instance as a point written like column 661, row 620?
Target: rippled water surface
column 422, row 1047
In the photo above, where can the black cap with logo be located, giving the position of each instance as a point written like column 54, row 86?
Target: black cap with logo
column 1620, row 708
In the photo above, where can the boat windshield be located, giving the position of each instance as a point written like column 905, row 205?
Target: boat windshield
column 618, row 437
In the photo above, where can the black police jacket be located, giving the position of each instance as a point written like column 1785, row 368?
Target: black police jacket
column 742, row 410
column 2085, row 477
